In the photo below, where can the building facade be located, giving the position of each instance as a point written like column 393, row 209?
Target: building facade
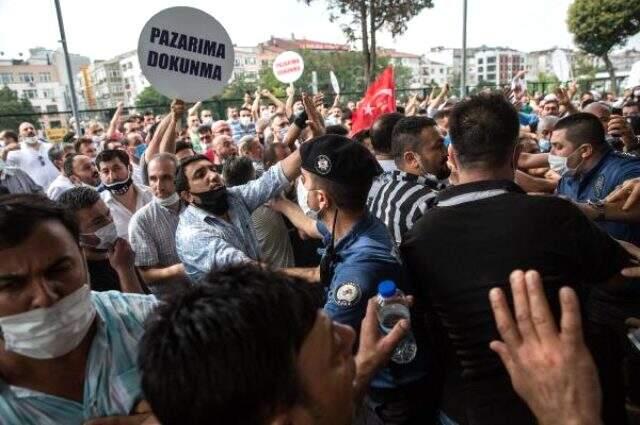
column 434, row 72
column 541, row 61
column 246, row 63
column 497, row 66
column 133, row 81
column 37, row 80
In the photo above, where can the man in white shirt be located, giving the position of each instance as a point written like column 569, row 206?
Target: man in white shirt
column 62, row 183
column 33, row 158
column 123, row 196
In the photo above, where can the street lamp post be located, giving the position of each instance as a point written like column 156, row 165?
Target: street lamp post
column 463, row 79
column 63, row 40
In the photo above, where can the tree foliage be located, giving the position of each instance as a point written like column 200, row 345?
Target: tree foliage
column 150, row 98
column 600, row 25
column 362, row 19
column 11, row 105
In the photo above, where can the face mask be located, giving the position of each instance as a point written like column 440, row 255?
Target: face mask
column 50, row 332
column 299, row 110
column 282, row 133
column 97, row 139
column 214, row 201
column 166, row 202
column 31, row 140
column 245, row 121
column 266, row 114
column 207, row 121
column 331, row 121
column 107, row 236
column 120, row 188
column 558, row 164
column 545, row 145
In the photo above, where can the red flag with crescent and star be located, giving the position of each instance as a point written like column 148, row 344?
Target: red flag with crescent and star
column 379, row 99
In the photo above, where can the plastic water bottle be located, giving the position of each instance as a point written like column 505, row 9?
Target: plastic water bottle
column 392, row 307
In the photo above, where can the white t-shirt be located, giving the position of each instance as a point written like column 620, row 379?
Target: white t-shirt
column 35, row 162
column 121, row 214
column 58, row 186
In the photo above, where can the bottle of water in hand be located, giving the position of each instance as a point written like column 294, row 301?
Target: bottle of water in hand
column 392, row 307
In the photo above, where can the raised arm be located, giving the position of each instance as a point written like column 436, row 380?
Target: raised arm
column 168, row 143
column 291, row 91
column 297, row 217
column 255, row 108
column 113, row 125
column 195, row 108
column 279, row 104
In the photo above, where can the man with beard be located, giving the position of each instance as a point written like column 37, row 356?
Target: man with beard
column 421, row 157
column 81, row 170
column 215, row 230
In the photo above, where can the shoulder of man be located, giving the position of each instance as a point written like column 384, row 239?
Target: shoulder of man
column 127, row 307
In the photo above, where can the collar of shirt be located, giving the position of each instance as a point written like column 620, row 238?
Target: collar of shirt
column 428, row 180
column 475, row 191
column 7, row 171
column 387, row 165
column 350, row 237
column 586, row 177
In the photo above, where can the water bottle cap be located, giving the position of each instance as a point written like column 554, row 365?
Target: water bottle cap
column 387, row 289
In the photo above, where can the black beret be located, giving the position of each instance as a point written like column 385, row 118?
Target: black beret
column 339, row 159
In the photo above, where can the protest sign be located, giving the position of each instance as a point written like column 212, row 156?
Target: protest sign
column 186, row 53
column 288, row 67
column 334, row 83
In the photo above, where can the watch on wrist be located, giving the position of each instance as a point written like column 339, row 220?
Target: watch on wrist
column 598, row 205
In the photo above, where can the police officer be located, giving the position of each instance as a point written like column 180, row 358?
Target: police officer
column 590, row 169
column 359, row 254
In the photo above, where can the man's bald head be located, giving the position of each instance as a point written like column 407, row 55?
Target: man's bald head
column 601, row 111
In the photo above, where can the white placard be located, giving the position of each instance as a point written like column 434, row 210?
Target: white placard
column 560, row 65
column 634, row 76
column 288, row 67
column 186, row 53
column 334, row 83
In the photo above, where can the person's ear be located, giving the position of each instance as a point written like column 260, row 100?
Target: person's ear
column 516, row 155
column 324, row 202
column 588, row 152
column 453, row 159
column 410, row 160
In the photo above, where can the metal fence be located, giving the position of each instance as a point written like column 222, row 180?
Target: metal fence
column 56, row 123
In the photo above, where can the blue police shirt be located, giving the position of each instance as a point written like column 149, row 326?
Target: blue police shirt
column 613, row 169
column 367, row 256
column 528, row 119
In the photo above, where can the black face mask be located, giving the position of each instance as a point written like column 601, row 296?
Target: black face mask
column 214, row 201
column 120, row 188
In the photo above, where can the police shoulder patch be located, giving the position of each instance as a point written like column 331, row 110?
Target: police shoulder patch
column 347, row 294
column 598, row 186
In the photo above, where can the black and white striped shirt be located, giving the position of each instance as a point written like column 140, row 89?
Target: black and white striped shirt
column 403, row 200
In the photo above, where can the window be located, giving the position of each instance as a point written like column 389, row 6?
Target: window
column 52, row 108
column 25, row 77
column 491, row 76
column 48, row 93
column 491, row 59
column 480, row 61
column 30, row 94
column 480, row 69
column 44, row 77
column 6, row 77
column 55, row 124
column 491, row 68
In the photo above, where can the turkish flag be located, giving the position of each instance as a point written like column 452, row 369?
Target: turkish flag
column 379, row 99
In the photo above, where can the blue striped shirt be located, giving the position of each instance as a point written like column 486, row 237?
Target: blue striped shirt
column 112, row 385
column 206, row 242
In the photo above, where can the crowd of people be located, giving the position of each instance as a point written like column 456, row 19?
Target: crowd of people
column 180, row 269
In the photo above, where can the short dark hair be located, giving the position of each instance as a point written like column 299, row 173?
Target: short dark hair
column 381, row 132
column 240, row 330
column 79, row 198
column 442, row 113
column 244, row 108
column 631, row 104
column 406, row 134
column 338, row 129
column 274, row 116
column 238, row 171
column 10, row 133
column 55, row 153
column 350, row 197
column 82, row 141
column 182, row 145
column 182, row 182
column 582, row 128
column 21, row 213
column 67, row 166
column 110, row 155
column 484, row 129
column 147, row 113
column 361, row 135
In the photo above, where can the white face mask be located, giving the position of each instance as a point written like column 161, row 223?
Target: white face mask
column 283, row 133
column 31, row 140
column 50, row 332
column 558, row 164
column 166, row 202
column 245, row 121
column 266, row 114
column 207, row 121
column 107, row 235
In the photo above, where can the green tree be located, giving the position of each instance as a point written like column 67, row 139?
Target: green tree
column 600, row 25
column 10, row 106
column 238, row 87
column 366, row 17
column 150, row 98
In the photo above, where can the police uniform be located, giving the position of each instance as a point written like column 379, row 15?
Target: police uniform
column 352, row 267
column 612, row 170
